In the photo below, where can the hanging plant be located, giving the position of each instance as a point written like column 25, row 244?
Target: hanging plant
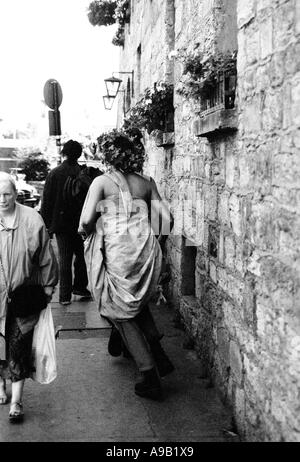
column 154, row 111
column 201, row 72
column 102, row 12
column 107, row 12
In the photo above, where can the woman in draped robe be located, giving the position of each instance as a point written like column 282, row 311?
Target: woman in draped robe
column 122, row 215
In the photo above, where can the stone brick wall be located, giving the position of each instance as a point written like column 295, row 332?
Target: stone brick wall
column 267, row 200
column 234, row 252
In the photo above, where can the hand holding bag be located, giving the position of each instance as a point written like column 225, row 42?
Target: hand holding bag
column 43, row 349
column 25, row 300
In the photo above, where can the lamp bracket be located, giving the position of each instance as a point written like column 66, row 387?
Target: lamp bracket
column 122, row 72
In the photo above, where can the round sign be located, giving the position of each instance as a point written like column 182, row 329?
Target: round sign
column 52, row 94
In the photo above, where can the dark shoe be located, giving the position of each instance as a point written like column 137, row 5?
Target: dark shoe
column 16, row 414
column 150, row 386
column 115, row 343
column 163, row 363
column 82, row 292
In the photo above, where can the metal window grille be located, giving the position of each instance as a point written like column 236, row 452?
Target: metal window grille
column 222, row 94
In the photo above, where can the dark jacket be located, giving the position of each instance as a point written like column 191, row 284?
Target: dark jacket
column 56, row 216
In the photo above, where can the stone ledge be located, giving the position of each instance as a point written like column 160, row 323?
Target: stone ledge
column 164, row 139
column 220, row 121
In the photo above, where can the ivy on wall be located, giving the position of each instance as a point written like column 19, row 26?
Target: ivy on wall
column 154, row 111
column 201, row 72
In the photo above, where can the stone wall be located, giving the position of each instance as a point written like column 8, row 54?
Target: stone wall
column 234, row 253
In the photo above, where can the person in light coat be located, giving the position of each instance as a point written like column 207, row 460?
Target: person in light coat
column 26, row 254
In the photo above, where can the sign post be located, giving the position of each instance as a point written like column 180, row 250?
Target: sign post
column 53, row 99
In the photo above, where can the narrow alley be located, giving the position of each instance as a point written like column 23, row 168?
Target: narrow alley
column 177, row 119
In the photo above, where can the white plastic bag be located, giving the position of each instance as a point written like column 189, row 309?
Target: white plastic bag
column 43, row 348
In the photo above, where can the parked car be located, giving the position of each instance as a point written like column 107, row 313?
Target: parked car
column 27, row 194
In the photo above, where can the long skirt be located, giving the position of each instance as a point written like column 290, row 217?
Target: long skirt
column 18, row 363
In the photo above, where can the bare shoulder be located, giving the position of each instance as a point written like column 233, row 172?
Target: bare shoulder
column 142, row 179
column 140, row 182
column 149, row 181
column 103, row 186
column 154, row 191
column 100, row 180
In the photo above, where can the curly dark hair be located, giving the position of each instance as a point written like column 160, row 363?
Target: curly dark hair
column 122, row 152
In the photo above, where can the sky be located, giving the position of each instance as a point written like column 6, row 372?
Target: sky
column 43, row 39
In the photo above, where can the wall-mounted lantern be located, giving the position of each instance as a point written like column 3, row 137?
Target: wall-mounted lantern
column 112, row 86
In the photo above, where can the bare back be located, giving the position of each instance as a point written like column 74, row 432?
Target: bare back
column 139, row 187
column 103, row 187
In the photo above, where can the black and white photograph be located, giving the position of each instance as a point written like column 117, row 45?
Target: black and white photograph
column 150, row 224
